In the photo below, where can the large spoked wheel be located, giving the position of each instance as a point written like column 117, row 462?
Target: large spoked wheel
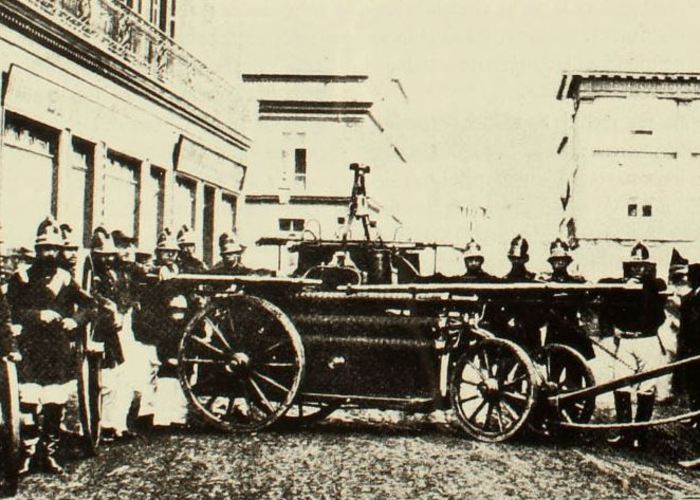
column 494, row 388
column 563, row 369
column 89, row 364
column 241, row 363
column 11, row 442
column 301, row 414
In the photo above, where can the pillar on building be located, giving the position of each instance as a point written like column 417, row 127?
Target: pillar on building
column 199, row 217
column 168, row 197
column 96, row 210
column 61, row 171
column 141, row 222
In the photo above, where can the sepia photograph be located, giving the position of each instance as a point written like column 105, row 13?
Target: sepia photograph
column 349, row 249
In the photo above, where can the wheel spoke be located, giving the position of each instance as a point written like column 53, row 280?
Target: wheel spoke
column 514, row 415
column 204, row 343
column 261, row 395
column 218, row 333
column 512, row 383
column 274, row 346
column 512, row 396
column 466, row 400
column 270, row 381
column 279, row 365
column 489, row 414
column 477, row 411
column 499, row 416
column 204, row 361
column 478, row 370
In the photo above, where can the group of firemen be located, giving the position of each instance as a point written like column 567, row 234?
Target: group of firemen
column 632, row 326
column 43, row 311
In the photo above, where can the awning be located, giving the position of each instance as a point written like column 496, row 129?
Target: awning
column 198, row 161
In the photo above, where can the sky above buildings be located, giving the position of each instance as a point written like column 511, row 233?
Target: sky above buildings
column 483, row 123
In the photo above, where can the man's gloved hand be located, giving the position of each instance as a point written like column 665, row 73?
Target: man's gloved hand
column 49, row 316
column 14, row 356
column 69, row 324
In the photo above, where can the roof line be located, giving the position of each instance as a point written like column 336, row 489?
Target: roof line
column 302, row 78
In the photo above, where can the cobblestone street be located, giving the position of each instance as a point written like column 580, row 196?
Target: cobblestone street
column 368, row 454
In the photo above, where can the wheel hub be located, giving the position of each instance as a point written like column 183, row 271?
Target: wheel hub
column 239, row 362
column 489, row 389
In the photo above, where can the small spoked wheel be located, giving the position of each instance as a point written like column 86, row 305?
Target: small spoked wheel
column 303, row 413
column 494, row 388
column 563, row 369
column 241, row 363
column 11, row 443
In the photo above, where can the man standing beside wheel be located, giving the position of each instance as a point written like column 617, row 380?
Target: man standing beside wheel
column 633, row 326
column 231, row 252
column 520, row 321
column 563, row 323
column 186, row 260
column 44, row 300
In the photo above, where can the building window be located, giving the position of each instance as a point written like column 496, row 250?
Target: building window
column 153, row 206
column 636, row 210
column 184, row 203
column 228, row 202
column 27, row 191
column 121, row 201
column 300, row 166
column 76, row 207
column 632, row 210
column 291, row 224
column 646, row 210
column 341, row 220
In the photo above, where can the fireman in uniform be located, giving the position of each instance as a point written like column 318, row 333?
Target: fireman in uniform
column 68, row 258
column 50, row 307
column 231, row 252
column 633, row 327
column 473, row 262
column 166, row 252
column 520, row 322
column 563, row 325
column 186, row 260
column 689, row 335
column 160, row 322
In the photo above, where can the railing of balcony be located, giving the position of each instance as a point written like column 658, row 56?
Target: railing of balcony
column 113, row 27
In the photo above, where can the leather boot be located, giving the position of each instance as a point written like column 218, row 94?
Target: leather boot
column 50, row 436
column 30, row 439
column 623, row 410
column 645, row 409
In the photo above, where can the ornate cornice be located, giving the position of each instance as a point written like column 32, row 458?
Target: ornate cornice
column 108, row 39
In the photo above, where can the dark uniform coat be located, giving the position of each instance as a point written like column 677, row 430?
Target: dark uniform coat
column 118, row 285
column 516, row 320
column 689, row 335
column 190, row 265
column 47, row 350
column 562, row 319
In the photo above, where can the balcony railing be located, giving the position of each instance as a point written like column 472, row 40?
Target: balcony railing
column 114, row 28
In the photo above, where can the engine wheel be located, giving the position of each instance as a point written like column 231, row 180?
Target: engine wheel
column 241, row 363
column 90, row 397
column 11, row 441
column 563, row 369
column 494, row 388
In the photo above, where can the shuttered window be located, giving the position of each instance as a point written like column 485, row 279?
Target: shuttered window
column 152, row 204
column 184, row 199
column 27, row 180
column 120, row 194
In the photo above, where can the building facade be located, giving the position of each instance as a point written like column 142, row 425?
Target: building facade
column 106, row 120
column 308, row 129
column 631, row 159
